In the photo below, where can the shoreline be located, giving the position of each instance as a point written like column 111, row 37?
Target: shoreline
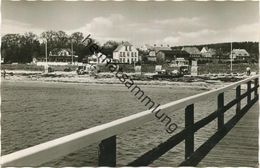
column 73, row 78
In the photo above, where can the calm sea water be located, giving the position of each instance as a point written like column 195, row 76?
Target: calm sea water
column 35, row 112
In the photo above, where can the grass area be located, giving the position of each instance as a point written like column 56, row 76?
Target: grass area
column 130, row 68
column 32, row 67
column 28, row 67
column 125, row 67
column 202, row 69
column 148, row 68
column 225, row 68
column 62, row 67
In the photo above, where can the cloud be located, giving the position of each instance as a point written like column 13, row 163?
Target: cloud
column 246, row 32
column 170, row 40
column 182, row 23
column 99, row 24
column 11, row 26
column 197, row 34
column 102, row 27
column 176, row 31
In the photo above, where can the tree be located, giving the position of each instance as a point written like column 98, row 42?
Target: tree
column 20, row 48
column 56, row 39
column 109, row 47
column 30, row 47
column 78, row 47
column 77, row 37
column 50, row 37
column 110, row 44
column 11, row 47
column 62, row 39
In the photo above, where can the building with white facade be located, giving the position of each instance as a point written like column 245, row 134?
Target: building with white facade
column 126, row 53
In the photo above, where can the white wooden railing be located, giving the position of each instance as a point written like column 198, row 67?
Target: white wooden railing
column 39, row 154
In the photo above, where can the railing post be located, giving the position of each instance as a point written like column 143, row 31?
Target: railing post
column 248, row 92
column 189, row 121
column 220, row 111
column 107, row 152
column 238, row 94
column 256, row 88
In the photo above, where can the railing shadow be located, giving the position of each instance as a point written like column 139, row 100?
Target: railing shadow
column 204, row 149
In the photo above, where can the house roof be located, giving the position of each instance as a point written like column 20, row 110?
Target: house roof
column 146, row 47
column 191, row 50
column 212, row 51
column 126, row 43
column 61, row 52
column 207, row 52
column 240, row 52
column 173, row 52
column 204, row 49
column 166, row 51
column 157, row 49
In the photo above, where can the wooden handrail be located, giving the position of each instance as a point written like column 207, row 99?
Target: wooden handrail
column 192, row 158
column 53, row 149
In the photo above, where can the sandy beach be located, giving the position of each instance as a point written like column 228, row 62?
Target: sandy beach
column 72, row 77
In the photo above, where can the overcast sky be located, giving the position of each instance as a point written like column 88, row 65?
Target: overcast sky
column 173, row 23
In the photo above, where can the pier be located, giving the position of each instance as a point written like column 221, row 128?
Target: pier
column 239, row 147
column 233, row 144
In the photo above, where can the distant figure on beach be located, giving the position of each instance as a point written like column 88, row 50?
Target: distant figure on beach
column 248, row 71
column 4, row 73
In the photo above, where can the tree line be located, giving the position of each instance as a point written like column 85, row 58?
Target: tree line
column 22, row 48
column 224, row 48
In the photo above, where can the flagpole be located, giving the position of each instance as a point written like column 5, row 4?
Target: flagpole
column 46, row 52
column 231, row 58
column 71, row 51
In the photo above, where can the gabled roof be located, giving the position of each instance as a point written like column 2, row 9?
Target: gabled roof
column 162, row 49
column 126, row 43
column 191, row 50
column 240, row 52
column 166, row 51
column 146, row 47
column 212, row 51
column 204, row 49
column 174, row 52
column 61, row 52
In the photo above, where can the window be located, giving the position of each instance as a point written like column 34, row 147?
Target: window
column 123, row 54
column 135, row 54
column 128, row 54
column 132, row 54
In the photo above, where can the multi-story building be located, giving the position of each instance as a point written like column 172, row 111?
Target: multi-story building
column 126, row 53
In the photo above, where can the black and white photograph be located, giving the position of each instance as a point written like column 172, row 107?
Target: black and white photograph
column 129, row 83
